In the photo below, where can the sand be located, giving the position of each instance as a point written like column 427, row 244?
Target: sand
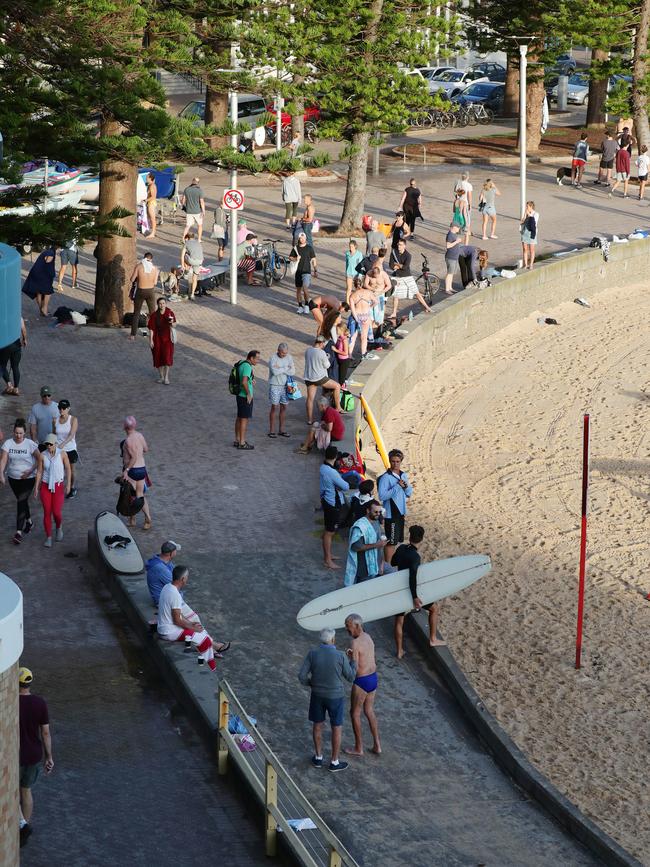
column 493, row 443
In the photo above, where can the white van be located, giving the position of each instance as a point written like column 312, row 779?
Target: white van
column 250, row 108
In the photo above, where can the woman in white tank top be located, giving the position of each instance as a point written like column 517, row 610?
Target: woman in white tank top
column 65, row 428
column 52, row 484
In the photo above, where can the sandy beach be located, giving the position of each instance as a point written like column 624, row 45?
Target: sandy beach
column 493, row 443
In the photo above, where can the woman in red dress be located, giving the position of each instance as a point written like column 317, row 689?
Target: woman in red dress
column 160, row 325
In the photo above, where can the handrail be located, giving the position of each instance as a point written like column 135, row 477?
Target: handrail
column 275, row 789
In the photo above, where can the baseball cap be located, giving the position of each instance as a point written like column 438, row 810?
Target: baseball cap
column 169, row 546
column 50, row 438
column 25, row 676
column 46, row 391
column 64, row 404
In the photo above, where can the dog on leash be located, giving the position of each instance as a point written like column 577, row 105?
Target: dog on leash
column 561, row 174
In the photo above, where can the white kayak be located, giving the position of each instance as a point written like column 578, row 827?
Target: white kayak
column 389, row 594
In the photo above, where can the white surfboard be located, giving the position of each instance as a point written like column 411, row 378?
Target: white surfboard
column 390, row 594
column 125, row 561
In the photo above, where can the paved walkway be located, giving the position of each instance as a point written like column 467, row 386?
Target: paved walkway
column 250, row 535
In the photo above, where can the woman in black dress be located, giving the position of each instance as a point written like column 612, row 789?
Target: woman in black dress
column 399, row 230
column 410, row 204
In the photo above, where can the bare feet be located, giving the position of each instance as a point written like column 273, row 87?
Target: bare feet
column 401, row 654
column 484, row 238
column 495, row 237
column 376, row 750
column 352, row 752
column 451, row 292
column 330, row 565
column 437, row 642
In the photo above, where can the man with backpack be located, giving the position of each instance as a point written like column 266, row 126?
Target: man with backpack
column 241, row 383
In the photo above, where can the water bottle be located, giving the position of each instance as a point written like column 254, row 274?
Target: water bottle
column 410, row 315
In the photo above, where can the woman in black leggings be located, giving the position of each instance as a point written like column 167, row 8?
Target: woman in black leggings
column 10, row 356
column 18, row 463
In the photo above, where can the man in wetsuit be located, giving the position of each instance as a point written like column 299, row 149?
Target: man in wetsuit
column 408, row 557
column 362, row 653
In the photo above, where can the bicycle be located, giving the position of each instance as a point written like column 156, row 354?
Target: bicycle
column 481, row 113
column 274, row 263
column 430, row 283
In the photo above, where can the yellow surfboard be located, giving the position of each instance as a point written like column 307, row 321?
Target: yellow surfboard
column 374, row 429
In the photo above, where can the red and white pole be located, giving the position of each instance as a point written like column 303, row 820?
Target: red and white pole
column 583, row 536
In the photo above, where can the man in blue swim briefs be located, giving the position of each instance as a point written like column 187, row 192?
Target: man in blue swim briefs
column 362, row 653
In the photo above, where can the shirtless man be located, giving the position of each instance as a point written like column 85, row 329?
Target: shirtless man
column 145, row 274
column 408, row 557
column 319, row 305
column 362, row 301
column 135, row 471
column 152, row 196
column 364, row 686
column 307, row 222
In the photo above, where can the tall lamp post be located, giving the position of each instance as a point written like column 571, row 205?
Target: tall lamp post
column 234, row 141
column 523, row 65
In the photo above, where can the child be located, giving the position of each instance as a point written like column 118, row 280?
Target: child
column 342, row 350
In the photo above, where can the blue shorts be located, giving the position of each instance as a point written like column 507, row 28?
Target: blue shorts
column 319, row 705
column 69, row 257
column 303, row 281
column 367, row 682
column 138, row 474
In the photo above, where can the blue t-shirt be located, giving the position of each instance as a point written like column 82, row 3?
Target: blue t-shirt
column 330, row 483
column 159, row 573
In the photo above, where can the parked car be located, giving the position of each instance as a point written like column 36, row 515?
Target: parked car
column 312, row 114
column 429, row 73
column 577, row 90
column 251, row 109
column 491, row 71
column 487, row 93
column 564, row 65
column 453, row 81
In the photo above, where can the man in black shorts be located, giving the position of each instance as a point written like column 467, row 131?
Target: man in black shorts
column 393, row 490
column 246, row 379
column 332, row 486
column 408, row 557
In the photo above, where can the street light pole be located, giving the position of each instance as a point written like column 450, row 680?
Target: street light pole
column 233, row 213
column 523, row 63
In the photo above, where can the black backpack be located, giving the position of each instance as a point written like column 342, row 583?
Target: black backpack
column 234, row 383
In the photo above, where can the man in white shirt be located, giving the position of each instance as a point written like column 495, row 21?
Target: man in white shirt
column 174, row 626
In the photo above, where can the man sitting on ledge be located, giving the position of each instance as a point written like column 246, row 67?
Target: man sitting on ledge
column 173, row 626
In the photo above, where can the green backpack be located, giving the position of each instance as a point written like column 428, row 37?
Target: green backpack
column 234, row 383
column 347, row 401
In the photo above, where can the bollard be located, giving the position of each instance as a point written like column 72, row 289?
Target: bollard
column 562, row 92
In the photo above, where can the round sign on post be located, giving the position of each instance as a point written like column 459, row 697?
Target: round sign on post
column 233, row 199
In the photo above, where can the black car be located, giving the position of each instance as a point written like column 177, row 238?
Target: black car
column 491, row 71
column 487, row 93
column 564, row 65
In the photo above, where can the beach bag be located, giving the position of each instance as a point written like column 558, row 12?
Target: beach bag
column 292, row 267
column 127, row 502
column 236, row 725
column 323, row 438
column 347, row 401
column 292, row 388
column 234, row 383
column 315, row 227
column 173, row 335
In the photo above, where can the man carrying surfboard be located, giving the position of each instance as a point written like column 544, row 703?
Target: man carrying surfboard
column 408, row 557
column 362, row 653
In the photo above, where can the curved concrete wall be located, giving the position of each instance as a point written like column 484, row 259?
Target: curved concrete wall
column 457, row 323
column 9, row 295
column 11, row 646
column 470, row 316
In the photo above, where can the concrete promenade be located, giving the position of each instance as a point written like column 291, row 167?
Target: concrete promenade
column 249, row 532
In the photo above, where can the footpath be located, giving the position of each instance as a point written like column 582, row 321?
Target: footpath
column 131, row 778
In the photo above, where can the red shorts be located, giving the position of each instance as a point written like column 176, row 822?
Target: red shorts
column 576, row 163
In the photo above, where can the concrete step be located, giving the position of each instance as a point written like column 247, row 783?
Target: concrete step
column 177, row 84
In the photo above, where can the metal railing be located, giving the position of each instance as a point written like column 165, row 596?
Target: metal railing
column 424, row 152
column 280, row 796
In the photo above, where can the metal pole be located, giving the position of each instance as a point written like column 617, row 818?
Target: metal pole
column 583, row 537
column 375, row 165
column 523, row 49
column 278, row 122
column 234, row 140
